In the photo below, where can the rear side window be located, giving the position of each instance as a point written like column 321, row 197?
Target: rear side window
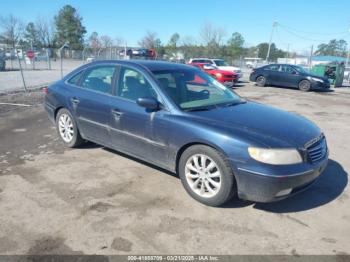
column 75, row 79
column 99, row 79
column 287, row 69
column 272, row 67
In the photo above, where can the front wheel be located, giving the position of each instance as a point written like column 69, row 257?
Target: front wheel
column 304, row 85
column 206, row 175
column 67, row 128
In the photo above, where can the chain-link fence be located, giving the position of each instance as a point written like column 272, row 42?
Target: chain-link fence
column 30, row 68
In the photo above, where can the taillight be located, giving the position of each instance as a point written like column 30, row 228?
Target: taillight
column 45, row 90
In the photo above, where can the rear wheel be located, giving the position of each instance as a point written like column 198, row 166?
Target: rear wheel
column 261, row 81
column 67, row 128
column 206, row 175
column 304, row 85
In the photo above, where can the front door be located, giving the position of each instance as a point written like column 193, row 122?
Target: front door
column 132, row 126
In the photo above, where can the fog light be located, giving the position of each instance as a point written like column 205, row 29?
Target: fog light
column 284, row 192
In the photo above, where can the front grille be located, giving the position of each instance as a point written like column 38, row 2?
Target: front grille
column 317, row 150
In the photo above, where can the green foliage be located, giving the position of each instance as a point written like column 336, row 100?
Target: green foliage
column 274, row 51
column 69, row 28
column 31, row 36
column 235, row 45
column 333, row 48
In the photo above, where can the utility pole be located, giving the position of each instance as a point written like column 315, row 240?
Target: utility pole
column 348, row 55
column 268, row 50
column 311, row 54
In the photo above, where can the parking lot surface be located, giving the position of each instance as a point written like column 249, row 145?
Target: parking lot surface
column 94, row 200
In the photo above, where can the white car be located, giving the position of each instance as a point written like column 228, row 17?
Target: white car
column 219, row 63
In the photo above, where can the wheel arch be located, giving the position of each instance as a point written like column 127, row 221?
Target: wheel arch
column 56, row 111
column 203, row 143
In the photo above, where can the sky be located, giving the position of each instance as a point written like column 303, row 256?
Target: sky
column 301, row 23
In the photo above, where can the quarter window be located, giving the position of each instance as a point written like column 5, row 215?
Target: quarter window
column 75, row 79
column 133, row 85
column 99, row 79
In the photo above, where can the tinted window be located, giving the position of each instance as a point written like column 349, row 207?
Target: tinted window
column 75, row 79
column 99, row 79
column 287, row 69
column 133, row 85
column 272, row 67
column 191, row 89
column 201, row 61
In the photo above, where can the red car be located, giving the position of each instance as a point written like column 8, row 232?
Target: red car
column 225, row 77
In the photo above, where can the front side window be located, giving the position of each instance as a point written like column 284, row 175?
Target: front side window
column 192, row 89
column 134, row 85
column 99, row 79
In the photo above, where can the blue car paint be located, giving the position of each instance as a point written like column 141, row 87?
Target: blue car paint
column 285, row 79
column 160, row 137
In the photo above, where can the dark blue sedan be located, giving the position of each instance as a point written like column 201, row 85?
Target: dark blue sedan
column 288, row 76
column 177, row 117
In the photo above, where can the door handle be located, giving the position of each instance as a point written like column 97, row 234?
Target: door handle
column 74, row 100
column 116, row 113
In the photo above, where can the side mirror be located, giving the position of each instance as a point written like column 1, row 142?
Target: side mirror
column 149, row 103
column 294, row 72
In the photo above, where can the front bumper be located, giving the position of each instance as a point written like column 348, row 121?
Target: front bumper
column 270, row 187
column 319, row 85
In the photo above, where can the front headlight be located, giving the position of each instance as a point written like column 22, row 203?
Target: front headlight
column 275, row 156
column 218, row 75
column 316, row 79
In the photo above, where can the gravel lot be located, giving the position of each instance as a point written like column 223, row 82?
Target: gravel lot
column 94, row 200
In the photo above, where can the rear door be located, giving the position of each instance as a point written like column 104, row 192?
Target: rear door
column 272, row 74
column 92, row 101
column 288, row 76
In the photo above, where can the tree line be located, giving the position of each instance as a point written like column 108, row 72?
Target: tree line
column 67, row 26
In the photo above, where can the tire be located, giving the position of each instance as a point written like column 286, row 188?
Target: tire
column 67, row 129
column 261, row 81
column 212, row 187
column 304, row 85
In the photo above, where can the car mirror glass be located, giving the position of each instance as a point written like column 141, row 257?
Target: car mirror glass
column 149, row 103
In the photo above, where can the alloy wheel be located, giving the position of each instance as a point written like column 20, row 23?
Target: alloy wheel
column 65, row 127
column 203, row 175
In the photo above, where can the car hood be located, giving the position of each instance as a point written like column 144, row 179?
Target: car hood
column 266, row 125
column 229, row 68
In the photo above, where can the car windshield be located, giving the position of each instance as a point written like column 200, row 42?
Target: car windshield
column 300, row 69
column 220, row 63
column 193, row 89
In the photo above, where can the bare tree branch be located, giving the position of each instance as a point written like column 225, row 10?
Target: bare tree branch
column 12, row 29
column 45, row 31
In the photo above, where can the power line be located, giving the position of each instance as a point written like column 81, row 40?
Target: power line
column 303, row 37
column 313, row 33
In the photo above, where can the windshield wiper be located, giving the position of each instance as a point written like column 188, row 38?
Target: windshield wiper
column 201, row 108
column 234, row 103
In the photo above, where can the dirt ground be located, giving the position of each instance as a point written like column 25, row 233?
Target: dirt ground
column 94, row 200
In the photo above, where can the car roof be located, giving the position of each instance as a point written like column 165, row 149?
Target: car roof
column 152, row 65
